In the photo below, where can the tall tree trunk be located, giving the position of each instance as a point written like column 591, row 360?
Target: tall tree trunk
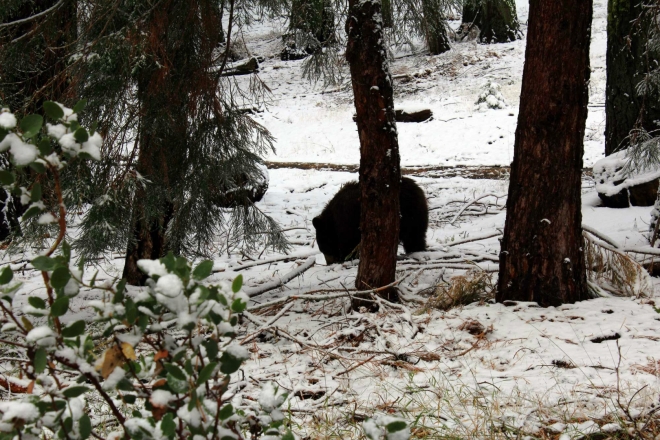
column 163, row 90
column 380, row 172
column 627, row 63
column 435, row 27
column 541, row 258
column 496, row 19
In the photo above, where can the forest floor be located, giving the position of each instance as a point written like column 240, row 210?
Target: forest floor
column 480, row 370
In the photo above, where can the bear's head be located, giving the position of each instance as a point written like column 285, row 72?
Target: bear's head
column 326, row 239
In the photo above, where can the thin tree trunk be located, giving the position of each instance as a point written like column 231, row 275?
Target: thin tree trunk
column 627, row 63
column 380, row 172
column 496, row 19
column 542, row 258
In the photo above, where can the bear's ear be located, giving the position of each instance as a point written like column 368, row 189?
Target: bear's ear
column 316, row 221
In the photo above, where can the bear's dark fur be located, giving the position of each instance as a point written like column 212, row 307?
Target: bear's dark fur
column 338, row 226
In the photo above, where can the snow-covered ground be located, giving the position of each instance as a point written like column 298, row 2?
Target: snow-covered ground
column 313, row 124
column 522, row 370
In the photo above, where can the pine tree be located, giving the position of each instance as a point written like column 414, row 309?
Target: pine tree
column 496, row 19
column 630, row 63
column 541, row 255
column 380, row 173
column 175, row 142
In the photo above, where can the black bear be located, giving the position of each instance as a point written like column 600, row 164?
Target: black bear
column 338, row 226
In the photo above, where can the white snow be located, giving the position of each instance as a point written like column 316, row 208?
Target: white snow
column 13, row 411
column 152, row 267
column 42, row 336
column 7, row 120
column 161, row 397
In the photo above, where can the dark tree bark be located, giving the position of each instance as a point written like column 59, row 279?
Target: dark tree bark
column 380, row 172
column 496, row 19
column 541, row 258
column 315, row 18
column 166, row 91
column 627, row 63
column 435, row 27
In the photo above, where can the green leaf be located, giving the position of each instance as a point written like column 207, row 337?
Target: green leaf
column 44, row 263
column 6, row 275
column 211, row 349
column 7, row 177
column 93, row 127
column 167, row 425
column 129, row 398
column 176, row 385
column 119, row 295
column 206, row 373
column 74, row 125
column 237, row 284
column 75, row 391
column 81, row 135
column 35, row 193
column 125, row 385
column 39, row 361
column 60, row 306
column 3, row 133
column 31, row 212
column 131, row 311
column 75, row 329
column 44, row 147
column 53, row 110
column 192, row 403
column 175, row 371
column 238, row 305
column 169, row 261
column 31, row 125
column 38, row 167
column 80, row 106
column 226, row 412
column 288, row 436
column 85, row 427
column 188, row 367
column 66, row 251
column 230, row 363
column 396, row 426
column 60, row 277
column 37, row 302
column 203, row 270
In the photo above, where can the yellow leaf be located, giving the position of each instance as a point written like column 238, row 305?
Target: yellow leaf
column 128, row 351
column 27, row 324
column 112, row 358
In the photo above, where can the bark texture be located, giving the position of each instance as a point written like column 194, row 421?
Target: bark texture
column 541, row 258
column 165, row 91
column 380, row 172
column 496, row 19
column 627, row 63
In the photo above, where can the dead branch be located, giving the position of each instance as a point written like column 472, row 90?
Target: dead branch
column 279, row 259
column 254, row 291
column 467, row 205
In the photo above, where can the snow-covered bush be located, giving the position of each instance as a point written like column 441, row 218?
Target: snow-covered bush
column 152, row 365
column 491, row 97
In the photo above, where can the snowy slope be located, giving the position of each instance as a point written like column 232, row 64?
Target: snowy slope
column 313, row 124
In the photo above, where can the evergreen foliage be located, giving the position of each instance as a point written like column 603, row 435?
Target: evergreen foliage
column 176, row 143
